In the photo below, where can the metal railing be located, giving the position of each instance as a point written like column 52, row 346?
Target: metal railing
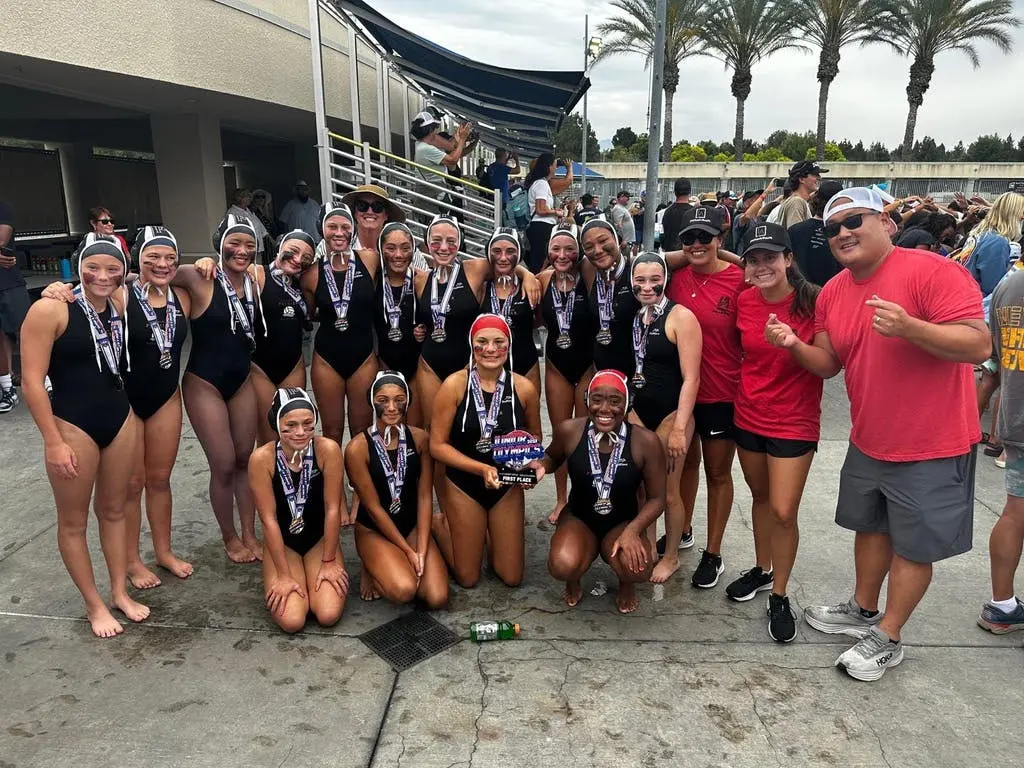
column 421, row 191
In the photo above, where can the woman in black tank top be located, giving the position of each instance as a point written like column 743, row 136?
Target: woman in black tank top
column 666, row 343
column 390, row 466
column 89, row 431
column 610, row 462
column 296, row 482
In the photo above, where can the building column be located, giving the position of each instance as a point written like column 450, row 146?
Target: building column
column 81, row 187
column 190, row 177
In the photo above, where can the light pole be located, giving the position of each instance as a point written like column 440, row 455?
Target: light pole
column 654, row 128
column 591, row 47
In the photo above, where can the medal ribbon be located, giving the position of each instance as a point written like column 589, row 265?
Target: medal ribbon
column 393, row 473
column 606, row 295
column 439, row 310
column 296, row 498
column 239, row 312
column 295, row 295
column 109, row 345
column 603, row 479
column 164, row 338
column 340, row 300
column 641, row 331
column 503, row 307
column 563, row 314
column 489, row 420
column 393, row 309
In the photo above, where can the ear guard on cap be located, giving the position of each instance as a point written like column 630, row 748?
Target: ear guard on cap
column 290, row 399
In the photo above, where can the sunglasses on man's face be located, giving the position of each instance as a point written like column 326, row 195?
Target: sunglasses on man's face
column 850, row 222
column 365, row 205
column 692, row 237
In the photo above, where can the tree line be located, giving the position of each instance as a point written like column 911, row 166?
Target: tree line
column 741, row 33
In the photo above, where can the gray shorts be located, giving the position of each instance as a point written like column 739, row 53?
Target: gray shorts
column 926, row 507
column 14, row 304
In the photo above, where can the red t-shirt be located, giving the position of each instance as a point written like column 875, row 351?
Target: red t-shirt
column 777, row 397
column 712, row 299
column 905, row 404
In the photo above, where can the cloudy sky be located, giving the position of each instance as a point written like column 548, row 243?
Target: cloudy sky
column 867, row 101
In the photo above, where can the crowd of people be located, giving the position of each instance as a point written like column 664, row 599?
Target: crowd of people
column 654, row 364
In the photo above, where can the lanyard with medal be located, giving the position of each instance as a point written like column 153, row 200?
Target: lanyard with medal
column 340, row 300
column 563, row 313
column 394, row 474
column 392, row 308
column 237, row 310
column 605, row 302
column 503, row 307
column 486, row 417
column 109, row 345
column 279, row 277
column 163, row 337
column 439, row 308
column 604, row 479
column 641, row 331
column 296, row 497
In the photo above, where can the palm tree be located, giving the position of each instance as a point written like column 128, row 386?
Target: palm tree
column 740, row 33
column 829, row 25
column 632, row 31
column 922, row 29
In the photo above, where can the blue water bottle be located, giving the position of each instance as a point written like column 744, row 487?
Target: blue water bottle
column 65, row 269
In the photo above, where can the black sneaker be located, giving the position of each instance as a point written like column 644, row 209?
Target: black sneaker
column 749, row 584
column 708, row 570
column 684, row 543
column 781, row 619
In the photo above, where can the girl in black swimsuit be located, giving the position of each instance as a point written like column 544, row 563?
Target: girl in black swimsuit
column 90, row 434
column 296, row 482
column 282, row 317
column 610, row 462
column 399, row 335
column 610, row 296
column 391, row 469
column 569, row 351
column 218, row 394
column 472, row 407
column 503, row 297
column 341, row 289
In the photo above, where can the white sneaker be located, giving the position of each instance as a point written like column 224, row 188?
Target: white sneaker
column 8, row 399
column 869, row 658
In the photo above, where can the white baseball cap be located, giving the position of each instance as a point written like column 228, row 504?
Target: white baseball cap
column 425, row 120
column 856, row 197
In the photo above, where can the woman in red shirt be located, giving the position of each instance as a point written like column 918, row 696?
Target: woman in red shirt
column 778, row 417
column 709, row 287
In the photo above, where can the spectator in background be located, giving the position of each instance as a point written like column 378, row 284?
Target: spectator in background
column 587, row 211
column 810, row 246
column 14, row 303
column 542, row 186
column 638, row 211
column 804, row 180
column 101, row 221
column 499, row 171
column 262, row 206
column 301, row 212
column 241, row 207
column 935, row 232
column 608, row 208
column 740, row 222
column 439, row 155
column 728, row 201
column 672, row 221
column 622, row 220
column 986, row 254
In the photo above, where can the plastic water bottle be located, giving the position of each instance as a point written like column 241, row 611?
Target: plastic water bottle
column 480, row 631
column 65, row 269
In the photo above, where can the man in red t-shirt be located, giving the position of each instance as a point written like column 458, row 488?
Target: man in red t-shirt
column 906, row 325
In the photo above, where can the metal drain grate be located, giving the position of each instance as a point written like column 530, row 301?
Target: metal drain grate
column 409, row 639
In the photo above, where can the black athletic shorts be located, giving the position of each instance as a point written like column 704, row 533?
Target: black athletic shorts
column 779, row 447
column 714, row 421
column 14, row 304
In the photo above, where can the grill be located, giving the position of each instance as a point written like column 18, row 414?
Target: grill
column 408, row 640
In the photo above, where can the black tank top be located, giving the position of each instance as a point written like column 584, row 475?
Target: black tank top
column 661, row 364
column 464, row 440
column 404, row 354
column 619, row 354
column 360, row 306
column 628, row 478
column 405, row 519
column 313, row 514
column 581, row 326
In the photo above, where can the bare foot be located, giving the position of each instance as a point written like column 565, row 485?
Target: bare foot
column 141, row 577
column 238, row 552
column 130, row 608
column 572, row 594
column 553, row 517
column 367, row 588
column 627, row 601
column 254, row 545
column 663, row 571
column 103, row 622
column 175, row 565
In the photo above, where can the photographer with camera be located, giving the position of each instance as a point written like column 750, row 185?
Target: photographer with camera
column 543, row 186
column 440, row 155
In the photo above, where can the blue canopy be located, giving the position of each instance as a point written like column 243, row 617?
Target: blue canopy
column 577, row 171
column 518, row 109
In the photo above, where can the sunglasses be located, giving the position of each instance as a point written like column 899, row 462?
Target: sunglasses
column 692, row 237
column 105, row 221
column 850, row 222
column 365, row 205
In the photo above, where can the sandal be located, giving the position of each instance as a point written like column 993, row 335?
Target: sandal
column 992, row 449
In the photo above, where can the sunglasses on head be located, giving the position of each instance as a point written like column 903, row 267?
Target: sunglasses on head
column 693, row 236
column 365, row 205
column 850, row 222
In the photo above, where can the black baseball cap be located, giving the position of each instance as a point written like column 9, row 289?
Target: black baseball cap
column 829, row 189
column 705, row 218
column 766, row 237
column 806, row 168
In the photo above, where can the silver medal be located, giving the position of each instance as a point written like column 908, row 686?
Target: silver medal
column 604, row 337
column 563, row 341
column 394, row 334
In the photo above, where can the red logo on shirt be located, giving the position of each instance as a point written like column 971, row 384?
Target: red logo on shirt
column 724, row 306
